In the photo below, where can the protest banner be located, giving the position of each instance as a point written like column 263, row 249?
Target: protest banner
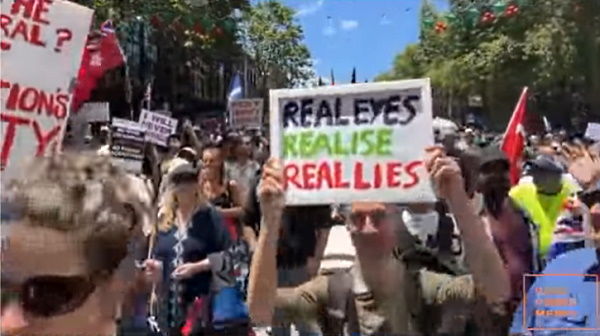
column 360, row 142
column 125, row 123
column 246, row 113
column 41, row 48
column 157, row 127
column 94, row 112
column 127, row 145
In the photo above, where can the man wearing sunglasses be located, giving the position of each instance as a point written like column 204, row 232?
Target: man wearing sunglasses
column 390, row 296
column 67, row 224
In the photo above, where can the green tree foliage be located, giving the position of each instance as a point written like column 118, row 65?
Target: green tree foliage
column 189, row 23
column 273, row 39
column 187, row 34
column 552, row 46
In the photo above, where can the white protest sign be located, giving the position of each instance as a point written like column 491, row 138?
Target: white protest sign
column 360, row 142
column 127, row 145
column 157, row 127
column 593, row 131
column 94, row 112
column 41, row 46
column 125, row 123
column 246, row 113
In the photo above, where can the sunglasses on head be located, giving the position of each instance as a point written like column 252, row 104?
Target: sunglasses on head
column 48, row 295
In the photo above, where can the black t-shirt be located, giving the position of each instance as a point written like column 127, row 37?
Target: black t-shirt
column 298, row 238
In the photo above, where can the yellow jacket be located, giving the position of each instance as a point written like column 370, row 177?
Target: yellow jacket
column 542, row 209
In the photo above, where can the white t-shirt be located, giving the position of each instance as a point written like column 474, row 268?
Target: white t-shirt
column 339, row 251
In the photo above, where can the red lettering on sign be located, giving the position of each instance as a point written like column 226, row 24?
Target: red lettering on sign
column 359, row 179
column 14, row 124
column 411, row 171
column 32, row 9
column 30, row 99
column 309, row 172
column 329, row 175
column 25, row 22
column 20, row 29
column 393, row 174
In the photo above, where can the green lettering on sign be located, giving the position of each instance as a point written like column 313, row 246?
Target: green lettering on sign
column 310, row 144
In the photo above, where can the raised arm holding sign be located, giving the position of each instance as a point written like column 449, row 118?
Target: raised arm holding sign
column 356, row 142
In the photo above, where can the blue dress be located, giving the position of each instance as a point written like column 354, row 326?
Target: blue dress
column 206, row 233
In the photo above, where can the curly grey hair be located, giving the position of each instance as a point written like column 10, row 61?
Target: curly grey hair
column 82, row 195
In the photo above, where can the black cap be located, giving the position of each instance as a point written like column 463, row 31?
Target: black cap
column 493, row 153
column 545, row 163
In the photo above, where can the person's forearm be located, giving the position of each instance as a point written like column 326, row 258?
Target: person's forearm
column 234, row 212
column 250, row 237
column 482, row 257
column 202, row 265
column 262, row 289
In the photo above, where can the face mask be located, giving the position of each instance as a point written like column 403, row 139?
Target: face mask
column 421, row 225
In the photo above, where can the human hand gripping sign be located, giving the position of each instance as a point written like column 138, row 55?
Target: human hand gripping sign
column 271, row 194
column 445, row 173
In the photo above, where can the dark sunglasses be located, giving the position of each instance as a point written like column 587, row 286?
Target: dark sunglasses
column 47, row 296
column 358, row 219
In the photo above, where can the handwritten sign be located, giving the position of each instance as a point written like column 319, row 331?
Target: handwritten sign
column 41, row 47
column 127, row 145
column 246, row 113
column 157, row 127
column 361, row 142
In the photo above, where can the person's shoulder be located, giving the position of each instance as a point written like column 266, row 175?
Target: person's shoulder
column 573, row 262
column 204, row 213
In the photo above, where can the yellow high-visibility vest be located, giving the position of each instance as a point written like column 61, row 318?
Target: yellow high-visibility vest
column 542, row 209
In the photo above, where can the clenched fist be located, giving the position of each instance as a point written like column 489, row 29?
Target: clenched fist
column 270, row 189
column 445, row 173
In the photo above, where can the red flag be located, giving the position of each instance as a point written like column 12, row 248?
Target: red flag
column 86, row 82
column 513, row 143
column 102, row 53
column 112, row 54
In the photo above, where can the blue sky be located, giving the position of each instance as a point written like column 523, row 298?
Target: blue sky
column 366, row 34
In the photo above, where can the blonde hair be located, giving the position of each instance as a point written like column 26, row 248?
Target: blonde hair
column 82, row 195
column 169, row 210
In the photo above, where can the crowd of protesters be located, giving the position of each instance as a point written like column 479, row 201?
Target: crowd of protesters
column 202, row 243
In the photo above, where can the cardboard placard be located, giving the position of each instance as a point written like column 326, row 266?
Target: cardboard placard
column 41, row 48
column 157, row 127
column 127, row 145
column 360, row 142
column 246, row 113
column 94, row 112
